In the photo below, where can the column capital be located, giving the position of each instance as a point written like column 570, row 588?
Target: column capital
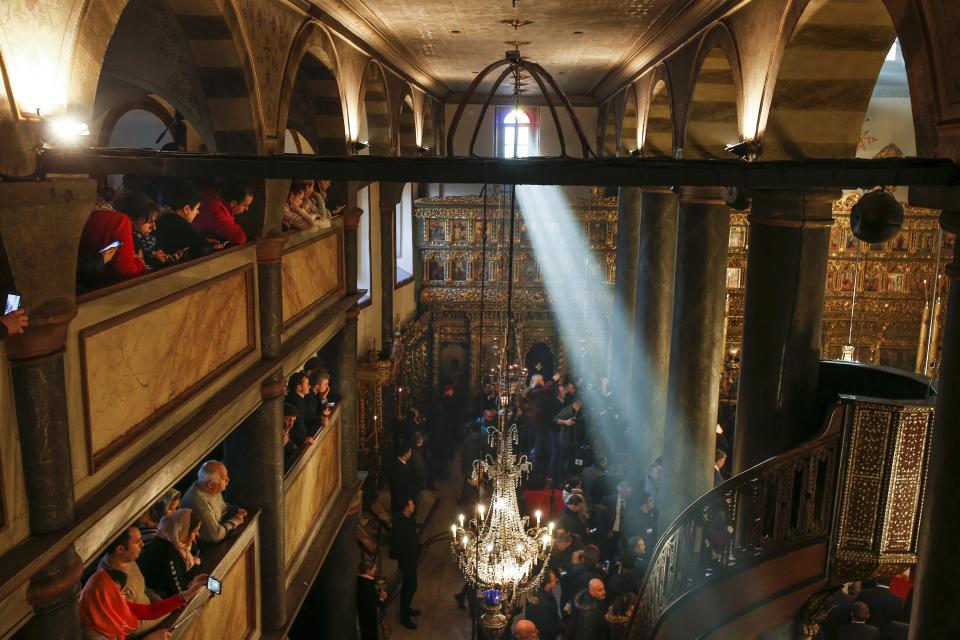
column 270, row 249
column 352, row 314
column 47, row 332
column 702, row 195
column 56, row 581
column 351, row 219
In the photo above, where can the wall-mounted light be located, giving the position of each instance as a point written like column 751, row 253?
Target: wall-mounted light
column 65, row 130
column 745, row 150
column 423, row 150
column 359, row 146
column 635, row 153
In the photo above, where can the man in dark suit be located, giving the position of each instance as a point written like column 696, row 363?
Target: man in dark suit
column 402, row 485
column 885, row 607
column 542, row 610
column 858, row 629
column 405, row 549
column 896, row 631
column 838, row 614
column 720, row 459
column 620, row 521
column 298, row 389
column 369, row 600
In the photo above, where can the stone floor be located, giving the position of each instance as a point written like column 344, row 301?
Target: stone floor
column 439, row 578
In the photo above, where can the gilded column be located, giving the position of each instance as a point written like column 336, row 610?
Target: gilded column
column 696, row 351
column 938, row 589
column 789, row 244
column 657, row 257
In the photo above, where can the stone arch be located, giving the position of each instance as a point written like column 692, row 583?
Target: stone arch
column 713, row 118
column 658, row 130
column 629, row 123
column 428, row 127
column 826, row 78
column 407, row 126
column 191, row 53
column 608, row 129
column 374, row 125
column 311, row 98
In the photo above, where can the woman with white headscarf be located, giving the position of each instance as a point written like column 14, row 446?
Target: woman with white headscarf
column 167, row 563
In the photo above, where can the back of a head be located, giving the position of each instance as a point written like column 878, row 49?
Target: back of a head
column 135, row 205
column 860, row 612
column 591, row 554
column 178, row 193
column 525, row 630
column 290, row 411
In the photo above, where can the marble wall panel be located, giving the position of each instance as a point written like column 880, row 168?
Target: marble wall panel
column 233, row 614
column 311, row 272
column 138, row 366
column 309, row 493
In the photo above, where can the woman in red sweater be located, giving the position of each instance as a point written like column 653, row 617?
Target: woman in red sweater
column 106, row 615
column 105, row 226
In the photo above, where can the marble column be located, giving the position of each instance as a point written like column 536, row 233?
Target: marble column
column 53, row 594
column 937, row 591
column 351, row 222
column 625, row 290
column 388, row 273
column 253, row 453
column 789, row 244
column 696, row 350
column 270, row 282
column 349, row 404
column 657, row 253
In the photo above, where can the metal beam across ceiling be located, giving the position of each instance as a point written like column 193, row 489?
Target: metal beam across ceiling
column 852, row 173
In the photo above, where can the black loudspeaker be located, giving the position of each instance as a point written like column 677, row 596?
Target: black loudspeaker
column 736, row 198
column 877, row 217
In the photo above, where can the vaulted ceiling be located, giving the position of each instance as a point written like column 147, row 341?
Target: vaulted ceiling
column 580, row 42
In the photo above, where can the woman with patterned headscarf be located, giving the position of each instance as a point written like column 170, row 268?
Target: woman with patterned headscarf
column 167, row 563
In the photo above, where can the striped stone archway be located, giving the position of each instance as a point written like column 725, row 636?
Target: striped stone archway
column 658, row 131
column 428, row 132
column 375, row 106
column 311, row 99
column 825, row 79
column 713, row 118
column 407, row 127
column 629, row 123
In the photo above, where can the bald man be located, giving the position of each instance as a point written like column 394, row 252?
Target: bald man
column 205, row 498
column 525, row 630
column 588, row 612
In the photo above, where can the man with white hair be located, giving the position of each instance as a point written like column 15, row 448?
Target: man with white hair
column 525, row 630
column 205, row 498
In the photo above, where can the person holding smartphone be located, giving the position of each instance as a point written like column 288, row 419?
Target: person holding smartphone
column 13, row 322
column 109, row 229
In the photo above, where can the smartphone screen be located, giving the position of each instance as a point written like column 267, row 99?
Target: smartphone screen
column 112, row 245
column 12, row 304
column 213, row 585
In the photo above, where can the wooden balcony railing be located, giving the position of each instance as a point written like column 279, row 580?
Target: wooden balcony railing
column 870, row 457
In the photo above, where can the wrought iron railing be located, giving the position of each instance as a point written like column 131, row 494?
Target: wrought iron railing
column 779, row 505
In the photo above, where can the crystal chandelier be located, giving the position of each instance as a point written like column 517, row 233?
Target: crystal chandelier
column 498, row 549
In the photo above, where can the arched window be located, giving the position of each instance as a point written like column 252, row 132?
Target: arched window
column 517, row 134
column 404, row 236
column 364, row 263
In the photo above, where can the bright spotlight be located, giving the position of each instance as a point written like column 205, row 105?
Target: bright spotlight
column 67, row 131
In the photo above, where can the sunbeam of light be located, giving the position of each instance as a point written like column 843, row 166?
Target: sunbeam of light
column 572, row 274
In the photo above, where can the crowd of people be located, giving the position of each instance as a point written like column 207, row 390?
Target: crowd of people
column 606, row 520
column 306, row 410
column 150, row 224
column 153, row 568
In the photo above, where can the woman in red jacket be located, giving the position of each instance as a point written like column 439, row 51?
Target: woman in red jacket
column 106, row 226
column 106, row 615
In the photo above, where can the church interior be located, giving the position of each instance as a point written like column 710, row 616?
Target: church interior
column 625, row 319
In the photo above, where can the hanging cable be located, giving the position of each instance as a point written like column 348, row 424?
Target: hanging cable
column 935, row 290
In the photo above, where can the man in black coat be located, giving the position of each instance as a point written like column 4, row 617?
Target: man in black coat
column 839, row 610
column 542, row 608
column 621, row 521
column 298, row 388
column 402, row 484
column 589, row 609
column 405, row 549
column 369, row 600
column 885, row 607
column 858, row 629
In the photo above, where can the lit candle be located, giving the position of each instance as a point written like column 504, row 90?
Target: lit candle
column 538, row 518
column 920, row 365
column 453, row 531
column 461, row 521
column 481, row 510
column 465, row 541
column 550, row 528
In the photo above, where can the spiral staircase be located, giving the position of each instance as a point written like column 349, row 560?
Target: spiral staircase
column 764, row 550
